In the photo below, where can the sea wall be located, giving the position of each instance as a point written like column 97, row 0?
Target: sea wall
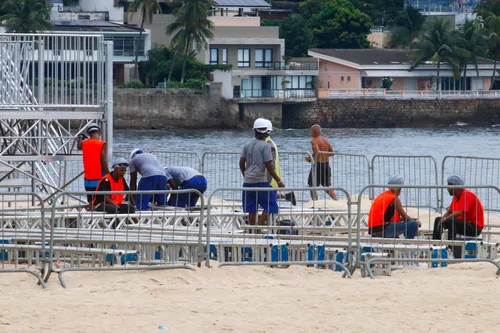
column 174, row 108
column 365, row 113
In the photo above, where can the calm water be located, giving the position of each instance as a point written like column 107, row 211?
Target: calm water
column 453, row 140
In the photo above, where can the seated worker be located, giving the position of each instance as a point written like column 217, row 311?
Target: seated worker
column 114, row 181
column 152, row 179
column 387, row 218
column 184, row 178
column 465, row 216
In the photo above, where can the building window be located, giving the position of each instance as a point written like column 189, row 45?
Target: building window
column 214, row 56
column 224, row 56
column 341, row 79
column 243, row 57
column 124, row 46
column 263, row 57
column 348, row 79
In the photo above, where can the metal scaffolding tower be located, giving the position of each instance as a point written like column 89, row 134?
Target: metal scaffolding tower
column 51, row 87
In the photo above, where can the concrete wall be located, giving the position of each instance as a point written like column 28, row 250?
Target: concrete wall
column 379, row 40
column 366, row 113
column 168, row 108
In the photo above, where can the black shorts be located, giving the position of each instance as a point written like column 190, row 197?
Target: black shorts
column 323, row 175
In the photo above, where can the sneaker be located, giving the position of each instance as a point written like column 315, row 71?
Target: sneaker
column 291, row 197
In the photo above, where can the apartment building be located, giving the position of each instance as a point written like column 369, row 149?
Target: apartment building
column 255, row 52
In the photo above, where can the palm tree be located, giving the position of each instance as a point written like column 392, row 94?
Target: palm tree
column 25, row 16
column 191, row 29
column 492, row 23
column 147, row 8
column 471, row 38
column 438, row 44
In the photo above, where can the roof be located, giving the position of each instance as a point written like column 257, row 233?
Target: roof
column 87, row 25
column 243, row 3
column 364, row 57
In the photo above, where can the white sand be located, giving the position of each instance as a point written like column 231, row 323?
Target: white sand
column 460, row 298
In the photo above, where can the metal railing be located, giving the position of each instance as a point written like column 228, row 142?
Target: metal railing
column 277, row 93
column 289, row 66
column 412, row 94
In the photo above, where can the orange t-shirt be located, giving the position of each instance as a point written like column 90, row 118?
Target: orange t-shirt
column 472, row 207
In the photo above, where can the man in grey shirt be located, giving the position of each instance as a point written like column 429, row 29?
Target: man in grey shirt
column 152, row 179
column 255, row 159
column 184, row 178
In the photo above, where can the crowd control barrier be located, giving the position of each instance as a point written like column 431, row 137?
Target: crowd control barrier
column 391, row 248
column 22, row 218
column 308, row 233
column 162, row 237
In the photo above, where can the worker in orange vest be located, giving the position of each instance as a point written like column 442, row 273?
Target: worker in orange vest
column 95, row 160
column 387, row 217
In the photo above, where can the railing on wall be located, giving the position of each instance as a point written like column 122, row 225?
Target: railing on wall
column 412, row 94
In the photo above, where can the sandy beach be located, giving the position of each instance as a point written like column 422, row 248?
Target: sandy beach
column 460, row 298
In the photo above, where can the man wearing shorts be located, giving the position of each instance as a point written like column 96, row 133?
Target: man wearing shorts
column 256, row 159
column 323, row 177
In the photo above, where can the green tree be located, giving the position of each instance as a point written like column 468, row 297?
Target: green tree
column 471, row 37
column 381, row 12
column 438, row 44
column 147, row 9
column 25, row 16
column 340, row 25
column 406, row 28
column 488, row 6
column 492, row 25
column 191, row 29
column 297, row 36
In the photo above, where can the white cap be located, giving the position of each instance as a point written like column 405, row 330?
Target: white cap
column 269, row 125
column 93, row 127
column 120, row 160
column 455, row 180
column 135, row 152
column 261, row 125
column 396, row 180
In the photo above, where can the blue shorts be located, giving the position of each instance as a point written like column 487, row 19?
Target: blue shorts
column 153, row 183
column 189, row 199
column 267, row 200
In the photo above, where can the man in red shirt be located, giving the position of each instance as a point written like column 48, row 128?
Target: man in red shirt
column 465, row 216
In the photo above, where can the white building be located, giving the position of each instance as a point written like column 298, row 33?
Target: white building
column 94, row 10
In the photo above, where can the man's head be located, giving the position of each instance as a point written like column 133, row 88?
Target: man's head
column 396, row 180
column 455, row 180
column 135, row 152
column 261, row 128
column 94, row 131
column 120, row 167
column 315, row 130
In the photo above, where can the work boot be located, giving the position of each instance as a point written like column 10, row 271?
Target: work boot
column 290, row 196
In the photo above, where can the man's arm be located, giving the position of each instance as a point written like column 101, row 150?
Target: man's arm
column 130, row 198
column 243, row 165
column 133, row 181
column 172, row 184
column 402, row 212
column 79, row 142
column 104, row 159
column 270, row 168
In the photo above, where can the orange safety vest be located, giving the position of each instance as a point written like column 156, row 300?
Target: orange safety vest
column 378, row 208
column 92, row 168
column 118, row 186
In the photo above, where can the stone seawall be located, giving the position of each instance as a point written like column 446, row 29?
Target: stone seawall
column 173, row 108
column 367, row 113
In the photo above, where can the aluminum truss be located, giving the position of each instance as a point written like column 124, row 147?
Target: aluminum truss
column 51, row 87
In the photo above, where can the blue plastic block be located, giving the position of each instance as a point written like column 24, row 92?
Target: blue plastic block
column 434, row 255
column 129, row 257
column 4, row 255
column 470, row 247
column 275, row 254
column 321, row 254
column 247, row 253
column 111, row 258
column 284, row 253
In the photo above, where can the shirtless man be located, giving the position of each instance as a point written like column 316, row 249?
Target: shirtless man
column 323, row 171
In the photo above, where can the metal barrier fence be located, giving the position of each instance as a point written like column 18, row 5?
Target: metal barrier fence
column 384, row 250
column 311, row 233
column 416, row 170
column 162, row 237
column 19, row 221
column 475, row 170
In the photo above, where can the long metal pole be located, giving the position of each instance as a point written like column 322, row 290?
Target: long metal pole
column 109, row 98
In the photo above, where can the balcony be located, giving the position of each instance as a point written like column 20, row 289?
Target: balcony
column 275, row 93
column 290, row 66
